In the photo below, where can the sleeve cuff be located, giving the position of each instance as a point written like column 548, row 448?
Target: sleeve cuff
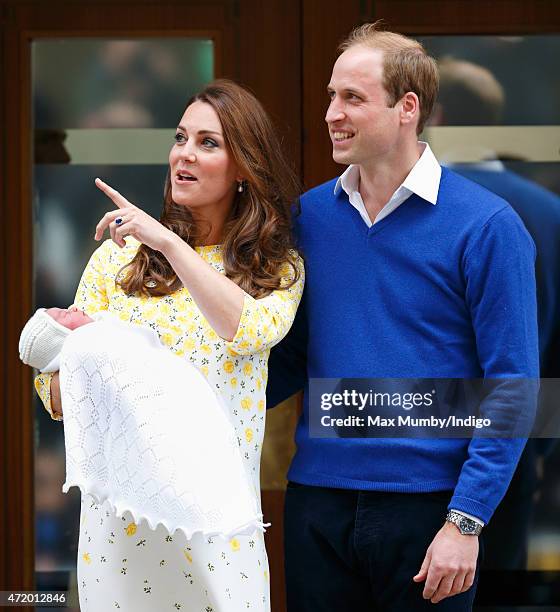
column 474, row 518
column 239, row 343
column 42, row 386
column 471, row 507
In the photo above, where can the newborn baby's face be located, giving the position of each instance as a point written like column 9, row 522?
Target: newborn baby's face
column 69, row 318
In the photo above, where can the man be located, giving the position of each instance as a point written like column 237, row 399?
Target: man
column 411, row 272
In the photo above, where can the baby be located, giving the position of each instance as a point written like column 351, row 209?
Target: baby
column 44, row 334
column 143, row 428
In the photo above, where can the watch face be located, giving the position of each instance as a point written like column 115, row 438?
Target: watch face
column 467, row 525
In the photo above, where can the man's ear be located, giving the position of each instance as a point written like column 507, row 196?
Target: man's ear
column 410, row 108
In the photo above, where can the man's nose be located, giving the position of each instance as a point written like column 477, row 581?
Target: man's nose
column 334, row 112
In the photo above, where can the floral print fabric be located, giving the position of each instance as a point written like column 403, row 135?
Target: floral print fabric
column 237, row 370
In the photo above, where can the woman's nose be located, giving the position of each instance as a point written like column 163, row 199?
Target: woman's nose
column 188, row 154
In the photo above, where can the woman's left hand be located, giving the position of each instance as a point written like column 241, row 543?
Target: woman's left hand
column 133, row 222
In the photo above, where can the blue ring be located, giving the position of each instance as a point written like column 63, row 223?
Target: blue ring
column 118, row 220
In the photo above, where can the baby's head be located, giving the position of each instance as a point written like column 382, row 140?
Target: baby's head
column 42, row 337
column 71, row 318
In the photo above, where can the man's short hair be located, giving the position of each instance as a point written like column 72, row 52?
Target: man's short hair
column 406, row 66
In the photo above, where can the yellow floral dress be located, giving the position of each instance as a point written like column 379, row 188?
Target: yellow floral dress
column 126, row 566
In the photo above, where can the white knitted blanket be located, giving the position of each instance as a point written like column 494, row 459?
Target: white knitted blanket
column 145, row 431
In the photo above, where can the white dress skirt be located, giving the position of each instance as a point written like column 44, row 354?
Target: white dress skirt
column 139, row 416
column 133, row 568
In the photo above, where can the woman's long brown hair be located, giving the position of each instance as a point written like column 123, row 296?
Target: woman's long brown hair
column 257, row 240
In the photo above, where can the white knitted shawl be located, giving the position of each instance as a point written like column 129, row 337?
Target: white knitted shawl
column 145, row 431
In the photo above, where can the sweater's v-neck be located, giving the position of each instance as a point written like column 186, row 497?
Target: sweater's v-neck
column 375, row 228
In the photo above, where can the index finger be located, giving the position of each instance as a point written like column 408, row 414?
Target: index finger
column 119, row 200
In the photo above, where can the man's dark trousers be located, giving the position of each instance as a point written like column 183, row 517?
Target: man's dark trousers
column 357, row 551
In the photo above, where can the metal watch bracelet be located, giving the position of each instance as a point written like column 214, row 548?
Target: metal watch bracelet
column 464, row 524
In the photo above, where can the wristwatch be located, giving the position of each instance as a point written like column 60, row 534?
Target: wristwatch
column 464, row 524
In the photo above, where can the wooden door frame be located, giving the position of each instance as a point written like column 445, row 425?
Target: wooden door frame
column 325, row 25
column 301, row 38
column 239, row 27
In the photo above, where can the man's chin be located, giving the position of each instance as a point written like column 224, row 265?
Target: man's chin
column 341, row 157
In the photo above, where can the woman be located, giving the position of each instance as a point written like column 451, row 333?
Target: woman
column 219, row 281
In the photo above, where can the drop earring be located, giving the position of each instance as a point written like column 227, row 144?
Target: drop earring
column 240, row 187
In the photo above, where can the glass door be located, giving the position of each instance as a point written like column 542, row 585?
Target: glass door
column 497, row 121
column 95, row 89
column 108, row 108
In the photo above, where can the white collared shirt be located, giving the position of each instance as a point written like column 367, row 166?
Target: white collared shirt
column 423, row 180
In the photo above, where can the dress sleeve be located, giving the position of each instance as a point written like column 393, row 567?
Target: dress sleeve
column 43, row 387
column 91, row 297
column 265, row 321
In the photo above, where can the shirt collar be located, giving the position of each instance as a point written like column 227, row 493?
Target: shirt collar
column 348, row 180
column 423, row 179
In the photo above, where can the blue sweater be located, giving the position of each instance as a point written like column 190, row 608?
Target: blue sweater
column 444, row 291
